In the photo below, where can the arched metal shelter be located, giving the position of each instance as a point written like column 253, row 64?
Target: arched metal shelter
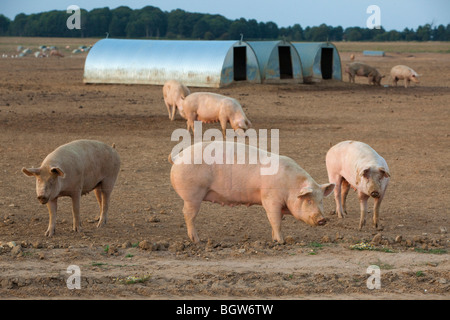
column 278, row 60
column 194, row 63
column 320, row 60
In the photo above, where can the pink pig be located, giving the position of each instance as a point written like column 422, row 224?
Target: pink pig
column 405, row 73
column 174, row 92
column 287, row 190
column 356, row 164
column 75, row 169
column 213, row 107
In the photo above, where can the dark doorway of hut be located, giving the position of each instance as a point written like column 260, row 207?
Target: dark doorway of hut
column 285, row 61
column 240, row 63
column 326, row 63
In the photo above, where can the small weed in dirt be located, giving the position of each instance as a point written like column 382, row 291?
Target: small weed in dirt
column 133, row 279
column 369, row 246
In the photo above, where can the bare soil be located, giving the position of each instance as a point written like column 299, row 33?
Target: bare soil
column 44, row 103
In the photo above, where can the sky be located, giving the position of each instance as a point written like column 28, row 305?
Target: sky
column 394, row 14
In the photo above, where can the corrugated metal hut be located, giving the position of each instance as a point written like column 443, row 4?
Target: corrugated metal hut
column 194, row 63
column 278, row 60
column 320, row 60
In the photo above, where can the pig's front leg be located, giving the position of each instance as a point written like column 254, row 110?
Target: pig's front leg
column 363, row 207
column 344, row 192
column 376, row 211
column 274, row 214
column 76, row 212
column 52, row 206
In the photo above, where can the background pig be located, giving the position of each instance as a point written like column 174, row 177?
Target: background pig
column 360, row 69
column 75, row 169
column 291, row 190
column 402, row 72
column 355, row 164
column 212, row 107
column 174, row 92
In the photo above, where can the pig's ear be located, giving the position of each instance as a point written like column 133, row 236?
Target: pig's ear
column 304, row 191
column 327, row 188
column 364, row 173
column 384, row 172
column 57, row 171
column 31, row 171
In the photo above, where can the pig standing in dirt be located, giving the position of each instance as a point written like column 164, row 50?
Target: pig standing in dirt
column 174, row 92
column 212, row 107
column 402, row 72
column 356, row 164
column 72, row 170
column 360, row 69
column 287, row 190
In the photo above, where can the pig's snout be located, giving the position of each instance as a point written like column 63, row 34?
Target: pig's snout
column 322, row 222
column 42, row 199
column 375, row 194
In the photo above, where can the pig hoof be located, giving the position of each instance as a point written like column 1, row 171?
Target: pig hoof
column 49, row 233
column 333, row 212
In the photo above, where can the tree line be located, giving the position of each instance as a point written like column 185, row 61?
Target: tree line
column 151, row 22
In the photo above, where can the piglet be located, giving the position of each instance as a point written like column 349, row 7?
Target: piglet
column 356, row 164
column 72, row 170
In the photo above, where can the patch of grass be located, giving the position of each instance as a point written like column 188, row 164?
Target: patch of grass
column 432, row 251
column 419, row 274
column 368, row 246
column 382, row 265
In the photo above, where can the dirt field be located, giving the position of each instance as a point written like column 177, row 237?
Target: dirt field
column 43, row 104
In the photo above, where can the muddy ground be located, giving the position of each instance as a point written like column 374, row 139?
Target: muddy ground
column 44, row 103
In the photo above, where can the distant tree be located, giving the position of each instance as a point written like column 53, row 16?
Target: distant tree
column 4, row 25
column 97, row 22
column 200, row 28
column 424, row 32
column 119, row 21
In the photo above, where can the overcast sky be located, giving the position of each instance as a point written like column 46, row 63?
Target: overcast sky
column 395, row 14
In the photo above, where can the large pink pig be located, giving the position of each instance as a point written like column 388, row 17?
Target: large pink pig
column 213, row 107
column 75, row 169
column 405, row 73
column 286, row 190
column 356, row 164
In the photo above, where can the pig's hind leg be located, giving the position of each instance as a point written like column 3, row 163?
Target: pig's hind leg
column 338, row 195
column 190, row 210
column 103, row 193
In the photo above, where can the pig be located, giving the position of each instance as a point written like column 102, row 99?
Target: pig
column 173, row 92
column 355, row 164
column 360, row 69
column 212, row 107
column 288, row 190
column 72, row 170
column 405, row 73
